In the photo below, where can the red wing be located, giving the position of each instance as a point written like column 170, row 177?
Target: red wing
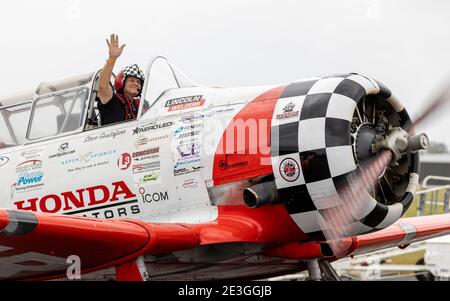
column 34, row 245
column 403, row 232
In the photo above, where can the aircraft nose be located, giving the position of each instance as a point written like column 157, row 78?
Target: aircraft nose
column 324, row 130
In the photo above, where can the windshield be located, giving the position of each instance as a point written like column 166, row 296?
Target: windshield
column 60, row 107
column 160, row 77
column 13, row 124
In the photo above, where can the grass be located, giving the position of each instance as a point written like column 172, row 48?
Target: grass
column 412, row 210
column 410, row 258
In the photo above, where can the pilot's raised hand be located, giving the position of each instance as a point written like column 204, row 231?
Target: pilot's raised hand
column 114, row 50
column 105, row 92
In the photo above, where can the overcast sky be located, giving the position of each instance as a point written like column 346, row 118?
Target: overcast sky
column 403, row 43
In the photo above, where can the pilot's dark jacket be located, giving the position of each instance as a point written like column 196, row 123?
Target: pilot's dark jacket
column 117, row 109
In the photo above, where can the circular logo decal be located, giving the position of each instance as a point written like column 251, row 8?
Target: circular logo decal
column 124, row 161
column 289, row 169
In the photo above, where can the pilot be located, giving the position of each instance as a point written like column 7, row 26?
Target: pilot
column 123, row 103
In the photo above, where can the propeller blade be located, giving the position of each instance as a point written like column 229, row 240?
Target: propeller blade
column 436, row 103
column 338, row 221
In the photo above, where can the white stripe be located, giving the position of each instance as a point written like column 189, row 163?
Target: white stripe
column 413, row 183
column 398, row 106
column 394, row 213
column 367, row 84
column 308, row 221
column 364, row 207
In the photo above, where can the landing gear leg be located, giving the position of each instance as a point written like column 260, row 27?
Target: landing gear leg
column 314, row 270
column 321, row 269
column 328, row 272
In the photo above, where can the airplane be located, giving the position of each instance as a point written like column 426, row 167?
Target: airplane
column 207, row 183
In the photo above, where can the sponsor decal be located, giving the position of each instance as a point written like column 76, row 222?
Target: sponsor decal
column 222, row 111
column 149, row 127
column 29, row 165
column 224, row 165
column 83, row 200
column 63, row 150
column 144, row 167
column 28, row 182
column 188, row 128
column 104, row 135
column 183, row 103
column 194, row 139
column 30, row 177
column 142, row 140
column 26, row 179
column 150, row 153
column 87, row 157
column 192, row 118
column 190, row 183
column 124, row 161
column 3, row 161
column 150, row 178
column 149, row 197
column 118, row 210
column 186, row 162
column 186, row 170
column 189, row 150
column 288, row 111
column 289, row 169
column 63, row 147
column 32, row 153
column 149, row 157
column 187, row 135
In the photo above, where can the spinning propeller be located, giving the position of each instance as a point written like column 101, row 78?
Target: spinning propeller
column 381, row 151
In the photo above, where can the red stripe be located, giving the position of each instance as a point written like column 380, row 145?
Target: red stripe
column 242, row 160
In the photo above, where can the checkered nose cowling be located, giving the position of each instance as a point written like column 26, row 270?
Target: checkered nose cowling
column 323, row 132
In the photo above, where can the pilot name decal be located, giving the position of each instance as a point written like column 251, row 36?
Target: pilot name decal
column 105, row 135
column 86, row 200
column 183, row 103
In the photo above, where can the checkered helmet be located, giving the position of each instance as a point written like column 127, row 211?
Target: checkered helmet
column 132, row 70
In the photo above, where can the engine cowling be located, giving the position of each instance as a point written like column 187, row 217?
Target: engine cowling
column 323, row 131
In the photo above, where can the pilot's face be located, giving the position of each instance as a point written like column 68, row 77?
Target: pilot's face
column 132, row 86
